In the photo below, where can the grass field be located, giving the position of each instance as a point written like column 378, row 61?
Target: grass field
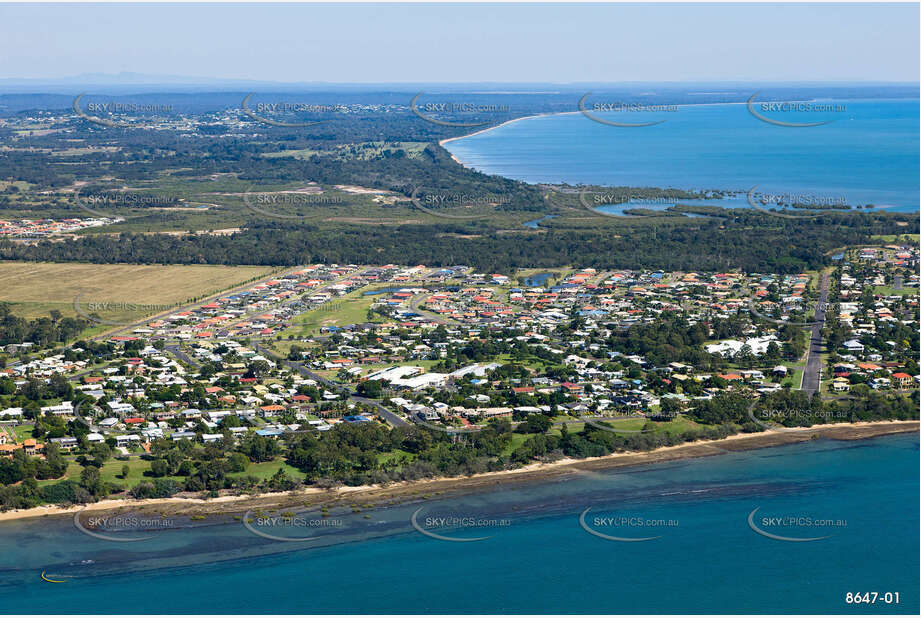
column 132, row 291
column 885, row 290
column 23, row 432
column 349, row 309
column 111, row 472
column 896, row 238
column 267, row 469
column 112, row 469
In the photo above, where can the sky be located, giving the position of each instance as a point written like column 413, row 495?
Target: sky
column 551, row 43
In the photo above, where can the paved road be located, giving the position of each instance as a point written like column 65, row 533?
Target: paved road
column 416, row 300
column 392, row 418
column 127, row 328
column 176, row 351
column 77, row 376
column 813, row 373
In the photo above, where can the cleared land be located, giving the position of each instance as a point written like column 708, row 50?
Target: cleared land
column 132, row 291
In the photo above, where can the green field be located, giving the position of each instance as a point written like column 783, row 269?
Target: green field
column 266, row 469
column 23, row 432
column 892, row 238
column 111, row 472
column 112, row 469
column 886, row 290
column 349, row 309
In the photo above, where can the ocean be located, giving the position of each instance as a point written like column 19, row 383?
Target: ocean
column 866, row 154
column 857, row 498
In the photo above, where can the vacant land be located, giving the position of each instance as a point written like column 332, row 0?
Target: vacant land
column 35, row 288
column 349, row 309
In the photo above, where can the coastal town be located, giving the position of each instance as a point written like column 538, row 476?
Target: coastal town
column 449, row 351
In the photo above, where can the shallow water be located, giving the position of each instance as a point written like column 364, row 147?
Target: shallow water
column 708, row 559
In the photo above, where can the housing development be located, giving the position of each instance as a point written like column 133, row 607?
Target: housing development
column 454, row 351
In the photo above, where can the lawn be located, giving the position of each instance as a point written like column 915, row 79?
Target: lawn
column 678, row 425
column 267, row 469
column 349, row 309
column 23, row 432
column 112, row 469
column 794, row 377
column 517, row 440
column 111, row 472
column 532, row 362
column 886, row 290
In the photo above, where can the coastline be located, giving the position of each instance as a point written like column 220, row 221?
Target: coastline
column 520, row 118
column 536, row 472
column 487, row 129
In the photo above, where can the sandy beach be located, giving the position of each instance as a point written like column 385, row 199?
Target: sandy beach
column 507, row 122
column 537, row 472
column 519, row 119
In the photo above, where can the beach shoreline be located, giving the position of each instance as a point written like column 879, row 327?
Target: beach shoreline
column 487, row 129
column 536, row 472
column 545, row 114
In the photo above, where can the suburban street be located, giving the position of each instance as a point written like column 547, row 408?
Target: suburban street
column 813, row 372
column 389, row 416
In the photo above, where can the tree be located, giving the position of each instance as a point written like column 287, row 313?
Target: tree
column 159, row 467
column 745, row 356
column 372, row 389
column 257, row 369
column 238, row 462
column 91, row 481
column 101, row 452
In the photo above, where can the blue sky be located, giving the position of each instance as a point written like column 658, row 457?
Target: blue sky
column 466, row 43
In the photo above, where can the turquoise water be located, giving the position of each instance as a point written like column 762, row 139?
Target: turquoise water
column 867, row 155
column 709, row 560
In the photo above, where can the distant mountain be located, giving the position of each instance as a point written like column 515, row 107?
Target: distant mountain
column 114, row 83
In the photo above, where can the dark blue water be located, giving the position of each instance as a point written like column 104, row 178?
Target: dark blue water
column 867, row 155
column 381, row 291
column 537, row 279
column 710, row 560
